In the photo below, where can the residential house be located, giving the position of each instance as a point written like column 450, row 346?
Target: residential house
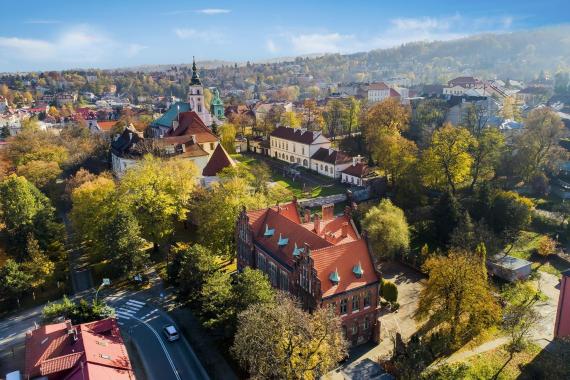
column 89, row 351
column 324, row 262
column 330, row 162
column 356, row 174
column 259, row 145
column 376, row 92
column 465, row 82
column 296, row 145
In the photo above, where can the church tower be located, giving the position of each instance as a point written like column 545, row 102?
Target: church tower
column 196, row 96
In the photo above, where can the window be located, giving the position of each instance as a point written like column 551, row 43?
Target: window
column 343, row 306
column 367, row 299
column 326, row 169
column 211, row 146
column 366, row 324
column 355, row 328
column 332, row 306
column 303, row 148
column 273, row 273
column 294, row 148
column 199, row 108
column 355, row 303
column 321, row 166
column 283, row 280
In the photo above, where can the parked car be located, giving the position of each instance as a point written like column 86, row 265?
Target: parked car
column 170, row 333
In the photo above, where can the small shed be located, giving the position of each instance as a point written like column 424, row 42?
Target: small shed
column 509, row 268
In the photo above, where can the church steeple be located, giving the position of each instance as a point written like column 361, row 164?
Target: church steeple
column 195, row 78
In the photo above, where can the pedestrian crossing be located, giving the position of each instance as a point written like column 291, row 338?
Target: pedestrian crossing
column 130, row 309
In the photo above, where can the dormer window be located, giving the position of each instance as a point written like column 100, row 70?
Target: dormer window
column 297, row 251
column 334, row 277
column 282, row 241
column 268, row 231
column 357, row 270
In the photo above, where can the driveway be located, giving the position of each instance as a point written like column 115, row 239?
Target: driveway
column 409, row 283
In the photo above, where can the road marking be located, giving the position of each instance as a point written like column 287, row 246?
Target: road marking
column 133, row 305
column 123, row 316
column 137, row 302
column 125, row 311
column 120, row 323
column 126, row 307
column 163, row 347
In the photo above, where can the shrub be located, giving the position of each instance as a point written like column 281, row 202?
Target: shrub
column 389, row 291
column 546, row 246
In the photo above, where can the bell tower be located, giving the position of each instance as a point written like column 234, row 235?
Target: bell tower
column 196, row 96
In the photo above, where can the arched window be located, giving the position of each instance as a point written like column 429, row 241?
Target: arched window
column 305, row 163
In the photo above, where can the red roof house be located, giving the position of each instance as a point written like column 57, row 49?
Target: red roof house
column 90, row 351
column 324, row 262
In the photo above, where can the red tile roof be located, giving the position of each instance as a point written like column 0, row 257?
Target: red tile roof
column 219, row 160
column 331, row 156
column 191, row 124
column 330, row 250
column 358, row 170
column 343, row 258
column 98, row 349
column 106, row 125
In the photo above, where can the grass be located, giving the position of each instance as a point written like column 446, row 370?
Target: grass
column 525, row 248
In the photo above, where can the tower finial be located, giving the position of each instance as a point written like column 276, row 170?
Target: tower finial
column 195, row 78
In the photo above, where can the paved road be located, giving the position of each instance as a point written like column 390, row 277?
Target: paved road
column 142, row 323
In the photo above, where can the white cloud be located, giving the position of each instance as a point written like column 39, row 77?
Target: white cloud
column 78, row 45
column 398, row 32
column 271, row 46
column 213, row 11
column 208, row 35
column 320, row 43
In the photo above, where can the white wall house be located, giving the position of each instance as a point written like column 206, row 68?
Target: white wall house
column 355, row 173
column 296, row 145
column 377, row 92
column 330, row 162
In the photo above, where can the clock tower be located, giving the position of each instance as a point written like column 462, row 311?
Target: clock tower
column 196, row 96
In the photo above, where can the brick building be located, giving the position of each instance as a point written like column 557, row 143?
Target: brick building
column 322, row 260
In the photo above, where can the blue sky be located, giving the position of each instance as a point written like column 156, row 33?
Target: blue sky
column 39, row 35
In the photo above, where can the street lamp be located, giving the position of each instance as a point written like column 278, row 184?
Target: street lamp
column 106, row 282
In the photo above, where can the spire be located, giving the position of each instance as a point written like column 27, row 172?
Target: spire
column 195, row 78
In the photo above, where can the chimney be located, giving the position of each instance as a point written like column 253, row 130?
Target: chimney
column 68, row 326
column 331, row 150
column 307, row 249
column 347, row 211
column 317, row 222
column 183, row 148
column 174, row 125
column 307, row 215
column 344, row 230
column 328, row 211
column 193, row 137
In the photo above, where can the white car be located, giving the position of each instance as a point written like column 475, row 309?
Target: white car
column 170, row 333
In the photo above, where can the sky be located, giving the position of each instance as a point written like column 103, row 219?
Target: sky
column 56, row 35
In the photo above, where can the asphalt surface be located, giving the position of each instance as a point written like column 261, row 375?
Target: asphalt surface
column 142, row 323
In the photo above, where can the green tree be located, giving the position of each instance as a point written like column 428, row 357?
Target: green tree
column 216, row 299
column 251, row 287
column 120, row 242
column 39, row 266
column 217, row 209
column 157, row 193
column 14, row 280
column 279, row 340
column 457, row 296
column 486, row 154
column 387, row 230
column 228, row 137
column 396, row 155
column 446, row 216
column 197, row 264
column 447, row 162
column 389, row 291
column 510, row 212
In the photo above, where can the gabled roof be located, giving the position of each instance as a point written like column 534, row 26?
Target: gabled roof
column 330, row 250
column 343, row 258
column 357, row 170
column 220, row 159
column 98, row 350
column 191, row 124
column 331, row 156
column 296, row 134
column 378, row 86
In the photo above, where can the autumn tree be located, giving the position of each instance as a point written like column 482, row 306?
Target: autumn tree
column 510, row 212
column 428, row 116
column 447, row 162
column 387, row 117
column 217, row 209
column 279, row 340
column 313, row 117
column 396, row 155
column 546, row 246
column 38, row 265
column 40, row 173
column 157, row 193
column 387, row 230
column 486, row 154
column 457, row 296
column 537, row 147
column 228, row 137
column 334, row 116
column 291, row 119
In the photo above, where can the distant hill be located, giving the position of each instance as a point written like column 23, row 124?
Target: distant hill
column 520, row 55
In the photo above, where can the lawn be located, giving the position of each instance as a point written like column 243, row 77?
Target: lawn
column 525, row 248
